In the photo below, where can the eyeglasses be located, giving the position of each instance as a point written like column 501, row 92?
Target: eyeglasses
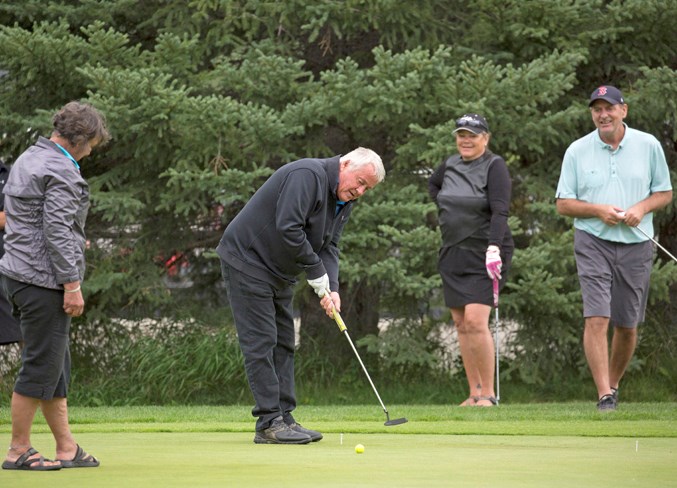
column 469, row 121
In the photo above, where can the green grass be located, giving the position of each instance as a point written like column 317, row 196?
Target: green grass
column 521, row 445
column 562, row 419
column 148, row 460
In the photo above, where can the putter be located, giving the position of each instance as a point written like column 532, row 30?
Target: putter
column 342, row 327
column 498, row 381
column 656, row 242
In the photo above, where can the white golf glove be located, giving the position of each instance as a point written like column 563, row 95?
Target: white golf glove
column 493, row 262
column 320, row 285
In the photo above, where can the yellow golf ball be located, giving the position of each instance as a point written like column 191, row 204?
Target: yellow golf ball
column 359, row 449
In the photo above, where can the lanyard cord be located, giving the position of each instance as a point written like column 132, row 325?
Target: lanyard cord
column 68, row 155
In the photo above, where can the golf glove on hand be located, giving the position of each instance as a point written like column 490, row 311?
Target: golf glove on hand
column 320, row 285
column 493, row 262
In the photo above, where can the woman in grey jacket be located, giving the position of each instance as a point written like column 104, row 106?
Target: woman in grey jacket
column 46, row 203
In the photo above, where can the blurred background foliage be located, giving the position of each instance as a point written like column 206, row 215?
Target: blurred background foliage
column 206, row 98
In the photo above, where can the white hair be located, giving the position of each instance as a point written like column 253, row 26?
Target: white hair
column 361, row 157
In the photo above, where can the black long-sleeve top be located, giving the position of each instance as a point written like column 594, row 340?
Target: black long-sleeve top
column 291, row 225
column 473, row 200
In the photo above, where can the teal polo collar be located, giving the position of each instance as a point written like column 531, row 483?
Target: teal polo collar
column 68, row 155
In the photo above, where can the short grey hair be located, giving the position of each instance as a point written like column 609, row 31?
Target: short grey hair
column 361, row 157
column 80, row 122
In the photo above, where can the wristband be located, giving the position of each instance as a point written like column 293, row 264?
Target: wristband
column 74, row 290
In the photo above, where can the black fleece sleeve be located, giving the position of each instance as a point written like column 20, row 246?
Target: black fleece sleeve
column 499, row 190
column 435, row 181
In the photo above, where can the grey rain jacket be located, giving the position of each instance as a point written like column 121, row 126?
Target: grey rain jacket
column 46, row 204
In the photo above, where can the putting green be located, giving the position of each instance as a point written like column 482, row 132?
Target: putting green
column 206, row 459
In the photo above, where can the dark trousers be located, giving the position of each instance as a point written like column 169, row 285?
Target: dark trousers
column 45, row 327
column 265, row 329
column 9, row 325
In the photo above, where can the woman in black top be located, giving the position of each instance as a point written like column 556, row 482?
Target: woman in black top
column 472, row 192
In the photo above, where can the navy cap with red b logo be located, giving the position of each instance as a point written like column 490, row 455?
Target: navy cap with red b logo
column 607, row 92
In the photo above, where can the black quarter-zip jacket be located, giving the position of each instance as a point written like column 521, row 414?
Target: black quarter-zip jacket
column 289, row 226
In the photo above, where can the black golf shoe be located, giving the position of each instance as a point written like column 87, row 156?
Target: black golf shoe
column 280, row 433
column 314, row 435
column 606, row 403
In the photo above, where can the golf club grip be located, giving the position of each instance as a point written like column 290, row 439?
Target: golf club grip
column 337, row 317
column 495, row 289
column 339, row 321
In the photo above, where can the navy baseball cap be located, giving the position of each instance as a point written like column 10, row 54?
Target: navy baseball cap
column 474, row 123
column 607, row 92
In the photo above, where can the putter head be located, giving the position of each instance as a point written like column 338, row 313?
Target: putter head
column 395, row 422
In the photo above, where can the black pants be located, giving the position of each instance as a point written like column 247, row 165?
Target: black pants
column 45, row 357
column 265, row 329
column 9, row 325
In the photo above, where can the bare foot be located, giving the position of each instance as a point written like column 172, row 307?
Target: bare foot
column 469, row 402
column 486, row 401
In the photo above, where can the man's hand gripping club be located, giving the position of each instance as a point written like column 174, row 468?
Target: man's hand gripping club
column 329, row 299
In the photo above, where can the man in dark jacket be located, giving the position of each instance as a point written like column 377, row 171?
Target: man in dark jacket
column 291, row 225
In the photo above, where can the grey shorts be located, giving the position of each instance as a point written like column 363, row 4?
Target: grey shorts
column 614, row 278
column 45, row 357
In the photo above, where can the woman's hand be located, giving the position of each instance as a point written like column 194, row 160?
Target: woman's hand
column 73, row 303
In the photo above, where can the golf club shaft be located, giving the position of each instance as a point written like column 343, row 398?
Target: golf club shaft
column 342, row 326
column 498, row 380
column 656, row 242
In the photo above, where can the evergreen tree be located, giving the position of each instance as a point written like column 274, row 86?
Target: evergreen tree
column 206, row 98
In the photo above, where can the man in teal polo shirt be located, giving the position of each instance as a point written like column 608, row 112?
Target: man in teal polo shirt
column 612, row 181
